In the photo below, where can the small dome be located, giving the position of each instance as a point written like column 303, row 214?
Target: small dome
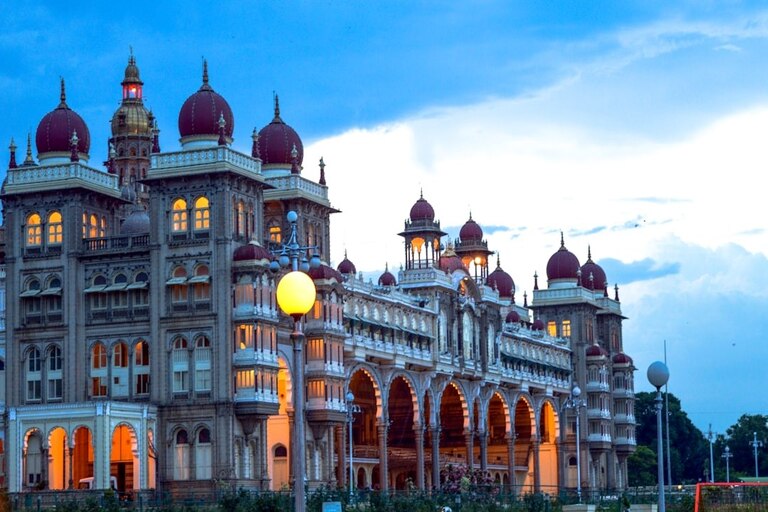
column 563, row 264
column 131, row 119
column 325, row 273
column 387, row 279
column 346, row 266
column 513, row 317
column 471, row 231
column 538, row 325
column 502, row 282
column 622, row 358
column 598, row 281
column 55, row 132
column 596, row 350
column 450, row 261
column 137, row 223
column 422, row 210
column 252, row 251
column 276, row 142
column 200, row 114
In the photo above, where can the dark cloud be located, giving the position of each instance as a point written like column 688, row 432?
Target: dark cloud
column 643, row 270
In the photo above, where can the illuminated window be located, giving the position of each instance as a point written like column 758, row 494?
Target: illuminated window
column 244, row 336
column 240, row 220
column 179, row 216
column 120, row 356
column 552, row 328
column 34, row 231
column 141, row 368
column 103, row 227
column 202, row 214
column 85, row 225
column 246, row 379
column 98, row 356
column 566, row 329
column 275, row 234
column 93, row 226
column 55, row 229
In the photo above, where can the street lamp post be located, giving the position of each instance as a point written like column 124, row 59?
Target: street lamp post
column 575, row 402
column 658, row 375
column 352, row 409
column 755, row 445
column 711, row 438
column 727, row 456
column 296, row 294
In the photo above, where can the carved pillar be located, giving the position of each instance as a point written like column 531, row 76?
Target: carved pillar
column 383, row 462
column 44, row 463
column 536, row 466
column 263, row 460
column 483, row 449
column 511, row 436
column 341, row 445
column 330, row 448
column 469, row 436
column 435, row 433
column 418, row 431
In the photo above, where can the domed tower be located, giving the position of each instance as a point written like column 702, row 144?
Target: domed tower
column 422, row 236
column 132, row 136
column 473, row 250
column 593, row 276
column 279, row 146
column 62, row 135
column 563, row 267
column 205, row 119
column 502, row 282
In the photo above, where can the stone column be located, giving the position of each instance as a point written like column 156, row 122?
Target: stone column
column 469, row 436
column 44, row 462
column 330, row 431
column 435, row 433
column 536, row 464
column 511, row 436
column 383, row 462
column 418, row 431
column 483, row 449
column 341, row 449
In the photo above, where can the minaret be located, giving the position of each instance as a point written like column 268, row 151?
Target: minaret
column 133, row 134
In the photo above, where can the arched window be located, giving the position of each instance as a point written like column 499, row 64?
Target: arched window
column 178, row 284
column 119, row 376
column 55, row 366
column 241, row 224
column 141, row 367
column 179, row 216
column 99, row 370
column 34, row 230
column 181, row 456
column 120, row 355
column 180, row 365
column 275, row 233
column 55, row 229
column 202, row 364
column 201, row 282
column 34, row 375
column 103, row 227
column 203, row 466
column 202, row 214
column 93, row 226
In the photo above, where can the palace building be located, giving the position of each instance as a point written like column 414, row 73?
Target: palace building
column 142, row 346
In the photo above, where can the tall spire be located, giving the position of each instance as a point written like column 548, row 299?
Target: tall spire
column 277, row 106
column 63, row 95
column 29, row 160
column 205, row 86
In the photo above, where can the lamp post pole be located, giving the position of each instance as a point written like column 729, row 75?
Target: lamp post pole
column 296, row 295
column 755, row 445
column 658, row 375
column 575, row 402
column 352, row 409
column 727, row 456
column 711, row 438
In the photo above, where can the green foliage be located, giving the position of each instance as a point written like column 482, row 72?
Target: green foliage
column 642, row 467
column 740, row 436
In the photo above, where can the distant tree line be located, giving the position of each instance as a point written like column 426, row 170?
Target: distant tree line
column 689, row 446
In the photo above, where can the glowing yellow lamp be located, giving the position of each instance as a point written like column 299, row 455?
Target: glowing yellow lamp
column 296, row 294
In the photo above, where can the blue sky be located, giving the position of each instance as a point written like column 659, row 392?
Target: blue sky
column 636, row 128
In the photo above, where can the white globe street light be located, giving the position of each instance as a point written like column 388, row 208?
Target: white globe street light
column 658, row 375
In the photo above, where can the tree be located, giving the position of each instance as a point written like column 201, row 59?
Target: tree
column 641, row 466
column 689, row 450
column 739, row 439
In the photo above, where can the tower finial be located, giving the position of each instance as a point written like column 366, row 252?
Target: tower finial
column 73, row 157
column 277, row 106
column 562, row 240
column 12, row 148
column 498, row 260
column 589, row 253
column 222, row 124
column 205, row 71
column 131, row 58
column 295, row 169
column 322, row 172
column 421, row 192
column 63, row 94
column 255, row 146
column 29, row 160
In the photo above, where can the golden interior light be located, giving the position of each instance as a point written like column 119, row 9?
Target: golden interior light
column 296, row 294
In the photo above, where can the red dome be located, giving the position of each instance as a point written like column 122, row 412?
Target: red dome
column 250, row 252
column 277, row 140
column 471, row 231
column 622, row 358
column 563, row 264
column 538, row 325
column 422, row 210
column 346, row 266
column 387, row 279
column 200, row 114
column 325, row 273
column 513, row 317
column 502, row 282
column 596, row 351
column 599, row 281
column 56, row 128
column 450, row 261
